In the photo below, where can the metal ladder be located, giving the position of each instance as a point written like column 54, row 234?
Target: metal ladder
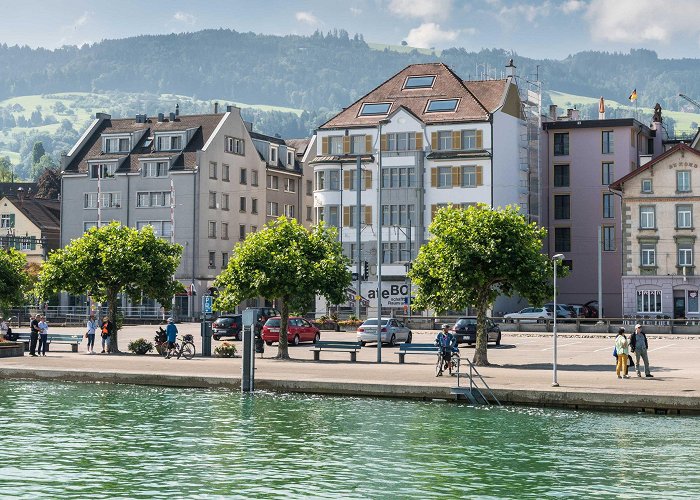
column 473, row 393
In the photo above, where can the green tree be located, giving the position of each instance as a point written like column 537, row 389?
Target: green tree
column 14, row 280
column 288, row 263
column 5, row 169
column 111, row 260
column 37, row 152
column 477, row 254
column 44, row 164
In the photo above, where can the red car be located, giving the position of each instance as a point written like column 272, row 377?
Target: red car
column 298, row 330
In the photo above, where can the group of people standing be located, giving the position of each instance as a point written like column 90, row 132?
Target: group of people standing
column 38, row 335
column 638, row 345
column 106, row 328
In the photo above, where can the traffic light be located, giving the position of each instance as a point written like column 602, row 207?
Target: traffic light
column 365, row 270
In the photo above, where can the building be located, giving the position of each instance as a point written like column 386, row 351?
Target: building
column 203, row 181
column 581, row 158
column 424, row 138
column 31, row 225
column 659, row 201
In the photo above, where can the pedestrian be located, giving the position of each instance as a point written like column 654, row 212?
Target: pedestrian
column 33, row 334
column 257, row 333
column 621, row 348
column 3, row 329
column 92, row 327
column 106, row 329
column 171, row 332
column 639, row 345
column 43, row 336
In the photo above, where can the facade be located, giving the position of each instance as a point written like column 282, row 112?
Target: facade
column 199, row 180
column 31, row 225
column 660, row 201
column 581, row 159
column 425, row 138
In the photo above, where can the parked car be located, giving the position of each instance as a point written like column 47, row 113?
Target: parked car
column 563, row 310
column 251, row 314
column 584, row 311
column 465, row 331
column 298, row 330
column 392, row 331
column 529, row 315
column 592, row 305
column 228, row 325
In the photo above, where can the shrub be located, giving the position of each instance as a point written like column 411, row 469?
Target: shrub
column 226, row 350
column 140, row 346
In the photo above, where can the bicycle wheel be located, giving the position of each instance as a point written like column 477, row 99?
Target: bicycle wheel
column 438, row 366
column 187, row 350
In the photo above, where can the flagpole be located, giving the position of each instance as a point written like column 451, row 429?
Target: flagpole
column 172, row 236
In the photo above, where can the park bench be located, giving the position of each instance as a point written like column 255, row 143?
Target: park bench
column 351, row 347
column 58, row 338
column 416, row 349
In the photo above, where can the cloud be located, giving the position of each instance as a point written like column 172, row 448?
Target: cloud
column 82, row 20
column 184, row 17
column 308, row 18
column 527, row 12
column 571, row 6
column 429, row 35
column 639, row 21
column 422, row 9
column 355, row 11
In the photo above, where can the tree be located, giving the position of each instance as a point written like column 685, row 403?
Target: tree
column 111, row 260
column 49, row 184
column 477, row 254
column 37, row 152
column 45, row 163
column 14, row 280
column 285, row 262
column 5, row 169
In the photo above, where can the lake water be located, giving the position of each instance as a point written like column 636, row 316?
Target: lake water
column 63, row 440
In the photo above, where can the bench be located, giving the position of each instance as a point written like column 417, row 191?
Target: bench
column 416, row 349
column 58, row 338
column 351, row 347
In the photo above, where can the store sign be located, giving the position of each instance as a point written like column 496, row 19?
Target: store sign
column 393, row 294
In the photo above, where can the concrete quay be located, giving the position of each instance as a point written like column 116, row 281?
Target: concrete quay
column 521, row 373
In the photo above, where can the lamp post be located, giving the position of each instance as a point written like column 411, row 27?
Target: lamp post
column 555, row 258
column 380, row 250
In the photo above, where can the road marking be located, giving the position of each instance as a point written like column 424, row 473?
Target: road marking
column 602, row 349
column 561, row 345
column 662, row 347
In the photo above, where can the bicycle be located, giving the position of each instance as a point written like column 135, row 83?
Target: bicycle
column 185, row 348
column 450, row 363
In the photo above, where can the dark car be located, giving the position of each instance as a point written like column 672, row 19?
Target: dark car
column 229, row 325
column 465, row 331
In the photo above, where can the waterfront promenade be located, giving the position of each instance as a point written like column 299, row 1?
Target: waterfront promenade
column 521, row 371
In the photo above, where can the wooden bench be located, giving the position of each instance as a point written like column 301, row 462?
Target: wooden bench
column 58, row 338
column 416, row 349
column 351, row 347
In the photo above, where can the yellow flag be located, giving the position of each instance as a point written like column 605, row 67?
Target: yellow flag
column 633, row 95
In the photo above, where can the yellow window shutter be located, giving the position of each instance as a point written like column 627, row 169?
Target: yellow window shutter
column 434, row 141
column 346, row 144
column 456, row 139
column 324, row 145
column 479, row 175
column 456, row 177
column 367, row 214
column 368, row 179
column 433, row 177
column 347, row 179
column 479, row 139
column 368, row 143
column 384, row 143
column 419, row 141
column 346, row 216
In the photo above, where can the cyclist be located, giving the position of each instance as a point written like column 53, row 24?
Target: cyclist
column 447, row 343
column 171, row 332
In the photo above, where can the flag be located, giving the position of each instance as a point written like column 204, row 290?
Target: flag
column 633, row 95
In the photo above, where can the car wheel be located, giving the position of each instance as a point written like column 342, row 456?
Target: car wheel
column 409, row 338
column 216, row 337
column 392, row 340
column 317, row 337
column 268, row 343
column 498, row 339
column 295, row 340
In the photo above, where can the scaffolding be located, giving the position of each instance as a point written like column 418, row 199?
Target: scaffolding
column 529, row 146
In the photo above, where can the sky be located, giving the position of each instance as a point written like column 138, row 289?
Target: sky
column 550, row 29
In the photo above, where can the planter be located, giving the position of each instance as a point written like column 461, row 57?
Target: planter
column 350, row 328
column 11, row 349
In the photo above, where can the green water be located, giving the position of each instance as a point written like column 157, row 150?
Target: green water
column 117, row 441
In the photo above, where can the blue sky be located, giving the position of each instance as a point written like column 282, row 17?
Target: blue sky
column 534, row 28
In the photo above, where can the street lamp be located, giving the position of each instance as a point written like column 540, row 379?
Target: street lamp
column 380, row 251
column 555, row 258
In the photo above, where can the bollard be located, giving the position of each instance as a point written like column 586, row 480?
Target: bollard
column 206, row 338
column 248, row 360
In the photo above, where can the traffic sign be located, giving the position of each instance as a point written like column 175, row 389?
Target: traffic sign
column 207, row 304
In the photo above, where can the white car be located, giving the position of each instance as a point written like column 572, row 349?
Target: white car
column 392, row 331
column 529, row 315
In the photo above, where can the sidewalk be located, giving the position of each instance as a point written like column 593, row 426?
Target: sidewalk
column 521, row 371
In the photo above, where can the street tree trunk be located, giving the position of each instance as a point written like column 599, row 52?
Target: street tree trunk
column 283, row 349
column 112, row 314
column 481, row 357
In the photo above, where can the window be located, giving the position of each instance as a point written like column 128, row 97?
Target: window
column 212, row 199
column 212, row 260
column 647, row 217
column 469, row 139
column 396, row 177
column 562, row 239
column 225, row 172
column 333, row 216
column 116, row 145
column 289, row 211
column 154, row 169
column 562, row 206
column 8, row 220
column 444, row 140
column 102, row 170
column 242, row 204
column 379, row 108
column 335, row 144
column 88, row 224
column 609, row 238
column 561, row 176
column 273, row 182
column 243, row 177
column 320, row 214
column 290, row 185
column 395, row 252
column 273, row 155
column 398, row 215
column 241, row 232
column 272, row 209
column 320, row 180
column 469, row 176
column 224, row 260
column 146, row 199
column 212, row 170
column 685, row 254
column 647, row 186
column 212, row 229
column 608, row 145
column 290, row 158
column 253, row 229
column 224, row 201
column 107, row 200
column 419, row 82
column 608, row 206
column 684, row 216
column 561, row 144
column 683, row 181
column 309, row 212
column 649, row 301
column 235, row 145
column 253, row 177
column 444, row 177
column 254, row 206
column 608, row 173
column 648, row 254
column 441, row 105
column 168, row 142
column 401, row 141
column 224, row 230
column 309, row 188
column 692, row 301
column 161, row 228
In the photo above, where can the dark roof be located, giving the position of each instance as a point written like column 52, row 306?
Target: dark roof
column 447, row 85
column 268, row 138
column 45, row 214
column 455, row 155
column 299, row 145
column 612, row 122
column 10, row 188
column 617, row 185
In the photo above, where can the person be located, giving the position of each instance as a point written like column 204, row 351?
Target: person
column 43, row 335
column 33, row 334
column 107, row 326
column 171, row 332
column 3, row 328
column 621, row 348
column 92, row 327
column 257, row 333
column 447, row 343
column 639, row 345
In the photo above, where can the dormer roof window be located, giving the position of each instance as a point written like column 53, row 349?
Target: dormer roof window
column 116, row 144
column 168, row 142
column 375, row 108
column 441, row 105
column 419, row 82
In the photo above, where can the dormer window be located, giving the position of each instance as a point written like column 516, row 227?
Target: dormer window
column 273, row 155
column 441, row 105
column 290, row 158
column 375, row 108
column 102, row 170
column 168, row 142
column 154, row 169
column 116, row 144
column 419, row 82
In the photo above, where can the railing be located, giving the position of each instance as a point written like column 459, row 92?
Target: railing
column 472, row 385
column 77, row 315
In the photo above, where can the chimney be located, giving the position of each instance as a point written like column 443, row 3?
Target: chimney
column 161, row 117
column 553, row 112
column 510, row 68
column 140, row 118
column 172, row 117
column 574, row 114
column 248, row 125
column 102, row 116
column 216, row 107
column 177, row 109
column 230, row 108
column 601, row 109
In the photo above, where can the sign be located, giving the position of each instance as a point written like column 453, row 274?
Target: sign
column 207, row 301
column 393, row 294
